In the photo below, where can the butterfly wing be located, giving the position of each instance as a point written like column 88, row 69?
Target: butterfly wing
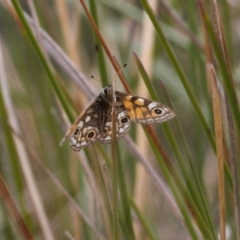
column 88, row 127
column 143, row 110
column 122, row 125
column 86, row 132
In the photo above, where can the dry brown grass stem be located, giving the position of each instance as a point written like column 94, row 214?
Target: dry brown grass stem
column 219, row 147
column 218, row 28
column 13, row 210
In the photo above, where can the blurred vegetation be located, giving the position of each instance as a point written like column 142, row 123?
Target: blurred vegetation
column 166, row 182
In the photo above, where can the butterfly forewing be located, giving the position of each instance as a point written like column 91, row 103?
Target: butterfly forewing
column 143, row 110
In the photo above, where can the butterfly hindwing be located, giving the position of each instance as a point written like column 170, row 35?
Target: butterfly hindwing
column 122, row 126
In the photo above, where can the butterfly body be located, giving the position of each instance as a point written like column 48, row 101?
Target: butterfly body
column 95, row 122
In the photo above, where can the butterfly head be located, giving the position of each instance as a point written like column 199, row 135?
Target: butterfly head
column 107, row 92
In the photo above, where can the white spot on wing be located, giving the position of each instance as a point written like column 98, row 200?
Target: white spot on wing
column 80, row 124
column 152, row 105
column 87, row 119
column 108, row 138
column 121, row 130
column 85, row 130
column 108, row 124
column 141, row 100
column 122, row 114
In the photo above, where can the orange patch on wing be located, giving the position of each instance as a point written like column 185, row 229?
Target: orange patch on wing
column 132, row 114
column 128, row 105
column 139, row 113
column 145, row 110
column 148, row 116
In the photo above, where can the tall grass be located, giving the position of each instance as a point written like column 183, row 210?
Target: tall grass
column 178, row 180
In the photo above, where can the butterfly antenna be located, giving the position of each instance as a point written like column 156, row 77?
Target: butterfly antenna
column 118, row 72
column 96, row 79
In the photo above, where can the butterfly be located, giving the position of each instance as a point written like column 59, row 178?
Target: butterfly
column 95, row 121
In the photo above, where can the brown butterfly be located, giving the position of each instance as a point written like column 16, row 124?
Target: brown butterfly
column 95, row 122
